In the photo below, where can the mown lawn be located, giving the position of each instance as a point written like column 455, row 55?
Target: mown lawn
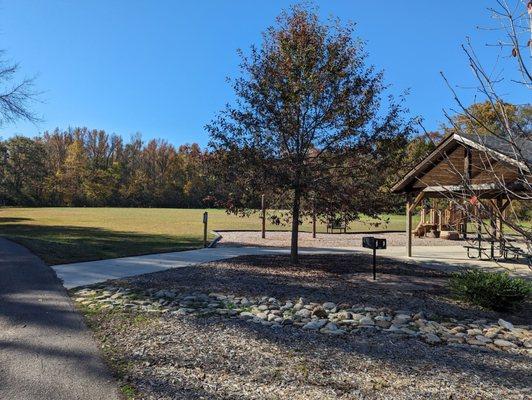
column 62, row 235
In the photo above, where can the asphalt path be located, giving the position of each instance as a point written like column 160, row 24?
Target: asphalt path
column 46, row 351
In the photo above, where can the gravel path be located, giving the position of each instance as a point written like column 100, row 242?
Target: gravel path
column 280, row 239
column 176, row 355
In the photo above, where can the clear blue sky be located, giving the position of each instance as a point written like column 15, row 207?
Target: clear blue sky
column 159, row 67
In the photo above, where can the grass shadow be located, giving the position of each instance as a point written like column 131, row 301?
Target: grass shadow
column 6, row 220
column 63, row 244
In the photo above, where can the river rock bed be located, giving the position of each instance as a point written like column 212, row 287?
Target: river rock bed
column 327, row 318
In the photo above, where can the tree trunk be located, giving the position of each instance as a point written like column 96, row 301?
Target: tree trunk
column 294, row 255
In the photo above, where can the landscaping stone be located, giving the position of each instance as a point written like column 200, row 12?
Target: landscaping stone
column 303, row 313
column 401, row 319
column 327, row 318
column 315, row 324
column 504, row 343
column 332, row 328
column 505, row 324
column 366, row 321
column 431, row 338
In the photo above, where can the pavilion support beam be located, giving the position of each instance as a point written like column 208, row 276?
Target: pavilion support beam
column 499, row 206
column 500, row 225
column 409, row 210
column 467, row 180
column 498, row 219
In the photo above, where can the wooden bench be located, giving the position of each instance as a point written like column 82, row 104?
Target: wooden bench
column 336, row 224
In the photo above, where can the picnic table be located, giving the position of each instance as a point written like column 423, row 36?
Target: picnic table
column 507, row 251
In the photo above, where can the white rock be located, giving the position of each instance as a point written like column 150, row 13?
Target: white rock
column 483, row 339
column 245, row 302
column 505, row 324
column 298, row 306
column 303, row 313
column 262, row 315
column 332, row 328
column 328, row 305
column 366, row 321
column 504, row 343
column 315, row 324
column 431, row 338
column 358, row 317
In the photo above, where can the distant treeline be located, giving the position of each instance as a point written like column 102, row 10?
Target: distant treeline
column 82, row 167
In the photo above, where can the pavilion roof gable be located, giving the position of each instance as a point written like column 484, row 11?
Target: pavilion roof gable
column 494, row 147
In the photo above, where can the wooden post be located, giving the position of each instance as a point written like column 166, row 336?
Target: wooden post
column 263, row 208
column 409, row 225
column 205, row 220
column 498, row 223
column 313, row 222
column 467, row 181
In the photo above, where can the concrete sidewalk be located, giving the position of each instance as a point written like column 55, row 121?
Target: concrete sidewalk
column 452, row 258
column 46, row 351
column 86, row 273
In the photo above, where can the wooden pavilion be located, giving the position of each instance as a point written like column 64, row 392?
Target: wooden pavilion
column 465, row 169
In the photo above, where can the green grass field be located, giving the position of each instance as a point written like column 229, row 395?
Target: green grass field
column 61, row 235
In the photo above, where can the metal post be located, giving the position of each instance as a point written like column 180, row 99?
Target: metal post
column 374, row 263
column 205, row 219
column 263, row 216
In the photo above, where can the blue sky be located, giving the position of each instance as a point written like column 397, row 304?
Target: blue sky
column 159, row 67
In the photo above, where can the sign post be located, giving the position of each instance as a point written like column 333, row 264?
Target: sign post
column 263, row 216
column 370, row 242
column 205, row 220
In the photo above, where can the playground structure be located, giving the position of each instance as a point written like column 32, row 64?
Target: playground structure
column 449, row 223
column 445, row 224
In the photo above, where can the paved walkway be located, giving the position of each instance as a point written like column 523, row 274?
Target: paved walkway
column 85, row 273
column 46, row 352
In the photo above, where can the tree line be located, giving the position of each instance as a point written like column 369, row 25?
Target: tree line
column 89, row 167
column 84, row 167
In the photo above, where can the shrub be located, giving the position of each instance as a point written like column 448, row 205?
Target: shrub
column 494, row 290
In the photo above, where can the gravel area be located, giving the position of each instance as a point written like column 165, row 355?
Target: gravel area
column 198, row 354
column 280, row 239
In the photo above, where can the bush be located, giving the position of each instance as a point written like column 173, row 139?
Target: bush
column 494, row 290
